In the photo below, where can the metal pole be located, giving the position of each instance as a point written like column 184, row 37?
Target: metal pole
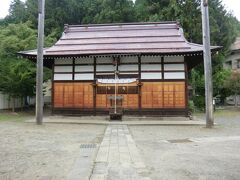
column 207, row 65
column 39, row 75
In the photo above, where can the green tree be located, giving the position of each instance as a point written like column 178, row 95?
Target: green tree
column 115, row 11
column 17, row 12
column 16, row 37
column 17, row 76
column 17, row 79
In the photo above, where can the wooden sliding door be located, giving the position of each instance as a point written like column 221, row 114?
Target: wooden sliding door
column 73, row 95
column 163, row 95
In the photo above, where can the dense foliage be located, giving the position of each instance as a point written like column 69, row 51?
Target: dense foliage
column 17, row 76
column 18, row 29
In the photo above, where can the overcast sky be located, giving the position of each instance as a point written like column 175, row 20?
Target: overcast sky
column 232, row 5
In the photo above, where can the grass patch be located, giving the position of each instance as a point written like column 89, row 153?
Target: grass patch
column 10, row 116
column 221, row 112
column 227, row 112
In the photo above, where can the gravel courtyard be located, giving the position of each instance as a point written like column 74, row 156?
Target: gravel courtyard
column 192, row 152
column 48, row 152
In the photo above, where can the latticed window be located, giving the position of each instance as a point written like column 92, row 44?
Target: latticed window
column 110, row 90
column 122, row 90
column 101, row 90
column 132, row 90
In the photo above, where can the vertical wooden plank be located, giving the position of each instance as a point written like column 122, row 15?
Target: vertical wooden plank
column 125, row 101
column 68, row 95
column 78, row 95
column 157, row 95
column 88, row 95
column 168, row 94
column 147, row 95
column 180, row 95
column 58, row 95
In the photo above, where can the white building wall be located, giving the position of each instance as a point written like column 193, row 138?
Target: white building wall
column 150, row 64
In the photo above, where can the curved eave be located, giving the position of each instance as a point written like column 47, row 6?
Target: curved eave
column 28, row 55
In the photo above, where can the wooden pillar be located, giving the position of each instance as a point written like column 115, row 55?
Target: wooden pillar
column 73, row 78
column 139, row 85
column 186, row 87
column 95, row 86
column 163, row 80
column 52, row 90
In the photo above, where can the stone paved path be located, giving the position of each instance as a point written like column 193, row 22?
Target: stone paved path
column 118, row 157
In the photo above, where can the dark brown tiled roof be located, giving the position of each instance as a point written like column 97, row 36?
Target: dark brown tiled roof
column 132, row 38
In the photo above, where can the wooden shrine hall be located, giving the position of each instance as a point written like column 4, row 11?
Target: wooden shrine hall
column 152, row 61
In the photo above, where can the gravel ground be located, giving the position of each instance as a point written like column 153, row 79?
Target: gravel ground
column 215, row 156
column 28, row 151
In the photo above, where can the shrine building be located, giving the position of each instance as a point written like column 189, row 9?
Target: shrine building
column 152, row 62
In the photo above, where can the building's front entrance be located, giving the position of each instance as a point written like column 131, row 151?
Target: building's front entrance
column 127, row 88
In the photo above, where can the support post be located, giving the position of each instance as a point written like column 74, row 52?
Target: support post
column 39, row 75
column 207, row 65
column 139, row 84
column 95, row 86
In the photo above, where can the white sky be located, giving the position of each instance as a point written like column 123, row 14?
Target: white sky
column 231, row 5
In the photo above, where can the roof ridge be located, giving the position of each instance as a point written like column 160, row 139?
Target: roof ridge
column 119, row 24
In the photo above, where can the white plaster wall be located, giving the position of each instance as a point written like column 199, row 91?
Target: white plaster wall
column 151, row 75
column 129, row 67
column 84, row 68
column 89, row 76
column 174, row 75
column 62, row 76
column 63, row 69
column 151, row 67
column 174, row 67
column 101, row 68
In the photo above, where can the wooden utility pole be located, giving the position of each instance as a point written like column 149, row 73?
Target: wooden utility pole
column 39, row 75
column 207, row 65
